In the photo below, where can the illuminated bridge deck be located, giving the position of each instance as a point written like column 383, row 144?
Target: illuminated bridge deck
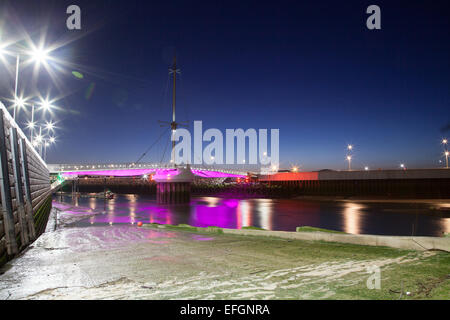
column 128, row 170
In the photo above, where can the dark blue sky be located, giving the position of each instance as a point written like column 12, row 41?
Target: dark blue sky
column 310, row 68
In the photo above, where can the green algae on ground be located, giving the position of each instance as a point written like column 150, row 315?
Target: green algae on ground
column 314, row 229
column 213, row 229
column 253, row 228
column 334, row 270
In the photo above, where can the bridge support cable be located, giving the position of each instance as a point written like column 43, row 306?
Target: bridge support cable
column 164, row 153
column 151, row 146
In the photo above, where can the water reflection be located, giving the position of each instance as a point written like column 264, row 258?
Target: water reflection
column 243, row 214
column 271, row 214
column 351, row 216
column 446, row 225
column 264, row 208
column 92, row 203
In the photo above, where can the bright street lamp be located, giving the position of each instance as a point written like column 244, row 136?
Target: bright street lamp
column 349, row 159
column 39, row 55
column 19, row 102
column 50, row 126
column 444, row 142
column 46, row 105
column 446, row 158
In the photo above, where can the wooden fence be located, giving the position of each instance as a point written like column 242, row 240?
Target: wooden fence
column 25, row 189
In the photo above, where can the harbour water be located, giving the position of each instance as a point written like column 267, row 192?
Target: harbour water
column 355, row 217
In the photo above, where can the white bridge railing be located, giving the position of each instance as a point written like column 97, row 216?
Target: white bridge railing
column 60, row 168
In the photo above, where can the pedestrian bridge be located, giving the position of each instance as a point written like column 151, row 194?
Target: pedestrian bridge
column 141, row 169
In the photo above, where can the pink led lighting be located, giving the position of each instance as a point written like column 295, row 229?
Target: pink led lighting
column 159, row 172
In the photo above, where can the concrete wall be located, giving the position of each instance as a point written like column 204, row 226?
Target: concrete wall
column 439, row 173
column 414, row 183
column 25, row 190
column 407, row 243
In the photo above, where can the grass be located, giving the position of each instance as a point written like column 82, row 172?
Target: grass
column 181, row 227
column 425, row 278
column 253, row 228
column 426, row 275
column 186, row 227
column 313, row 229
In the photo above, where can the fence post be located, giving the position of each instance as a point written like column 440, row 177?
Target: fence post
column 18, row 187
column 26, row 182
column 5, row 190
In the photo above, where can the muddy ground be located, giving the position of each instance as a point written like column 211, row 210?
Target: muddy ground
column 124, row 261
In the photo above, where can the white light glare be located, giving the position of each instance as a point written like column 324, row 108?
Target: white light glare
column 40, row 55
column 50, row 126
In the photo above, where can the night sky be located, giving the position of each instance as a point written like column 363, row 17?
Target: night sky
column 309, row 68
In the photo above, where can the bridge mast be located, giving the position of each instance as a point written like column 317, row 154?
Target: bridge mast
column 173, row 125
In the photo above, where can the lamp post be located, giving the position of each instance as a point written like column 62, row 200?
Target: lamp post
column 446, row 153
column 39, row 140
column 446, row 158
column 15, row 86
column 349, row 156
column 31, row 123
column 38, row 55
column 45, row 106
column 46, row 144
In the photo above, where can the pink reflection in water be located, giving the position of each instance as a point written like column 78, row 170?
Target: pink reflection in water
column 232, row 203
column 220, row 216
